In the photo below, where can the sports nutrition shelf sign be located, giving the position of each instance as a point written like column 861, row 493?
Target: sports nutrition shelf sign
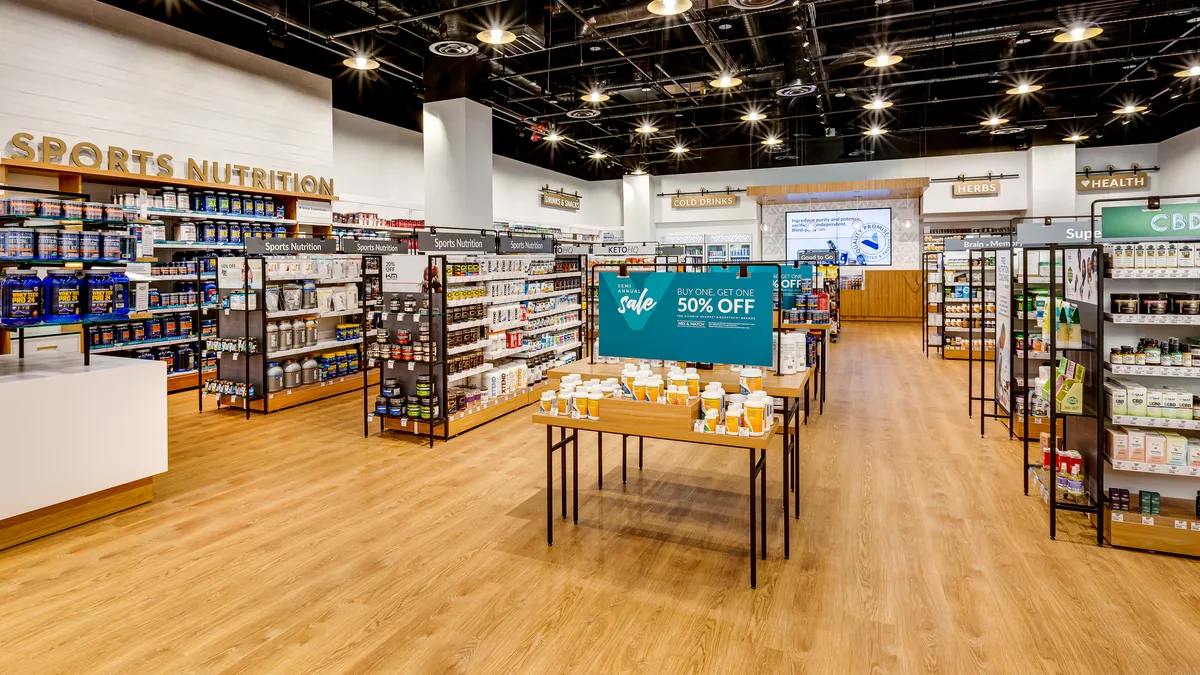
column 709, row 317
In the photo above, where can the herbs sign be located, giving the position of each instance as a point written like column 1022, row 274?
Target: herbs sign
column 976, row 188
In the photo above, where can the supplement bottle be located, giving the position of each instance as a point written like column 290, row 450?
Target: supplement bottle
column 310, row 327
column 272, row 337
column 20, row 298
column 286, row 337
column 274, row 377
column 97, row 294
column 310, row 371
column 61, row 291
column 120, row 294
column 291, row 374
column 299, row 334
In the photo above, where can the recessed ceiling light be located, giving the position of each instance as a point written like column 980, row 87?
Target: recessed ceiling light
column 553, row 137
column 679, row 149
column 1129, row 109
column 1190, row 72
column 669, row 7
column 753, row 116
column 994, row 121
column 1075, row 138
column 595, row 96
column 840, row 93
column 726, row 81
column 1078, row 33
column 598, row 155
column 646, row 87
column 1023, row 38
column 883, row 60
column 647, row 129
column 805, row 44
column 595, row 48
column 771, row 140
column 878, row 104
column 875, row 131
column 1024, row 88
column 496, row 36
column 724, row 25
column 361, row 63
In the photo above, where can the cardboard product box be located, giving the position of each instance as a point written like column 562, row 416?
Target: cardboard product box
column 1118, row 400
column 1194, row 452
column 1177, row 449
column 1154, row 403
column 1137, row 444
column 1156, row 448
column 1136, row 395
column 1117, row 442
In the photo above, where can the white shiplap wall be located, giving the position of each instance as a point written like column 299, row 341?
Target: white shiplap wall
column 82, row 70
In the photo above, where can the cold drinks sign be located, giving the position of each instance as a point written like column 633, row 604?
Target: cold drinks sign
column 707, row 317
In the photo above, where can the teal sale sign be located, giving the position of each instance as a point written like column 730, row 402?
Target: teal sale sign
column 706, row 316
column 793, row 280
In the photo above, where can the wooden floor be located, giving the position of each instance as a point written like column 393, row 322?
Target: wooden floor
column 289, row 544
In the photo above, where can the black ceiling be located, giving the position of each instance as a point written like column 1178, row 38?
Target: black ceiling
column 958, row 60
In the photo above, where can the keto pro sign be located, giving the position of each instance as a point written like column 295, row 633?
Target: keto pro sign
column 1138, row 222
column 54, row 150
column 710, row 317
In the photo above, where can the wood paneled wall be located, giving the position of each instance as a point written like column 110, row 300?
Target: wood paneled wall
column 890, row 295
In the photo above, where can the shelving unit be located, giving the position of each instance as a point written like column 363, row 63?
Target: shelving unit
column 1177, row 528
column 934, row 295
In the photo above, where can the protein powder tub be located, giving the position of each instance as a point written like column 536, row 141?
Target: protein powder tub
column 17, row 242
column 120, row 287
column 47, row 245
column 61, row 290
column 68, row 244
column 97, row 294
column 89, row 245
column 20, row 298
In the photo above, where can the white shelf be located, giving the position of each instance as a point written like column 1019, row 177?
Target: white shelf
column 166, row 277
column 144, row 344
column 1156, row 422
column 1153, row 319
column 176, row 309
column 479, row 278
column 466, row 324
column 505, row 353
column 552, row 328
column 468, row 302
column 555, row 348
column 1034, row 356
column 313, row 313
column 1153, row 371
column 213, row 245
column 507, row 299
column 538, row 315
column 1157, row 469
column 318, row 282
column 508, row 325
column 481, row 344
column 1156, row 273
column 550, row 294
column 320, row 346
column 204, row 215
column 555, row 275
column 468, row 373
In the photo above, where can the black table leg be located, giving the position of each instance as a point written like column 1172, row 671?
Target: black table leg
column 787, row 477
column 600, row 457
column 824, row 367
column 753, row 524
column 575, row 472
column 762, row 499
column 550, row 485
column 807, row 384
column 640, row 439
column 562, row 456
column 623, row 476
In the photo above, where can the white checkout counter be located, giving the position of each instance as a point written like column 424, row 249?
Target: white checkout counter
column 77, row 442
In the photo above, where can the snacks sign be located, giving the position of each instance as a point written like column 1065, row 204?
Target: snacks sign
column 52, row 150
column 709, row 317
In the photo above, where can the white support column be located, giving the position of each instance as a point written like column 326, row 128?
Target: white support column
column 1051, row 176
column 458, row 164
column 637, row 207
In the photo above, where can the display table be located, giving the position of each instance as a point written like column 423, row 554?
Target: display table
column 822, row 353
column 791, row 388
column 80, row 442
column 669, row 423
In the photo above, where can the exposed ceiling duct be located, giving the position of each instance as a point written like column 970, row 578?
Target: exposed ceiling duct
column 757, row 45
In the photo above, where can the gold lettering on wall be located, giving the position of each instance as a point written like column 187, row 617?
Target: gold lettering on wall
column 53, row 150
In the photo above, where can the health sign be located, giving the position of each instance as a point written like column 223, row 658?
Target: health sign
column 1172, row 221
column 709, row 317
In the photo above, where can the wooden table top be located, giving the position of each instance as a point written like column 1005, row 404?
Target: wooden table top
column 791, row 386
column 668, row 431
